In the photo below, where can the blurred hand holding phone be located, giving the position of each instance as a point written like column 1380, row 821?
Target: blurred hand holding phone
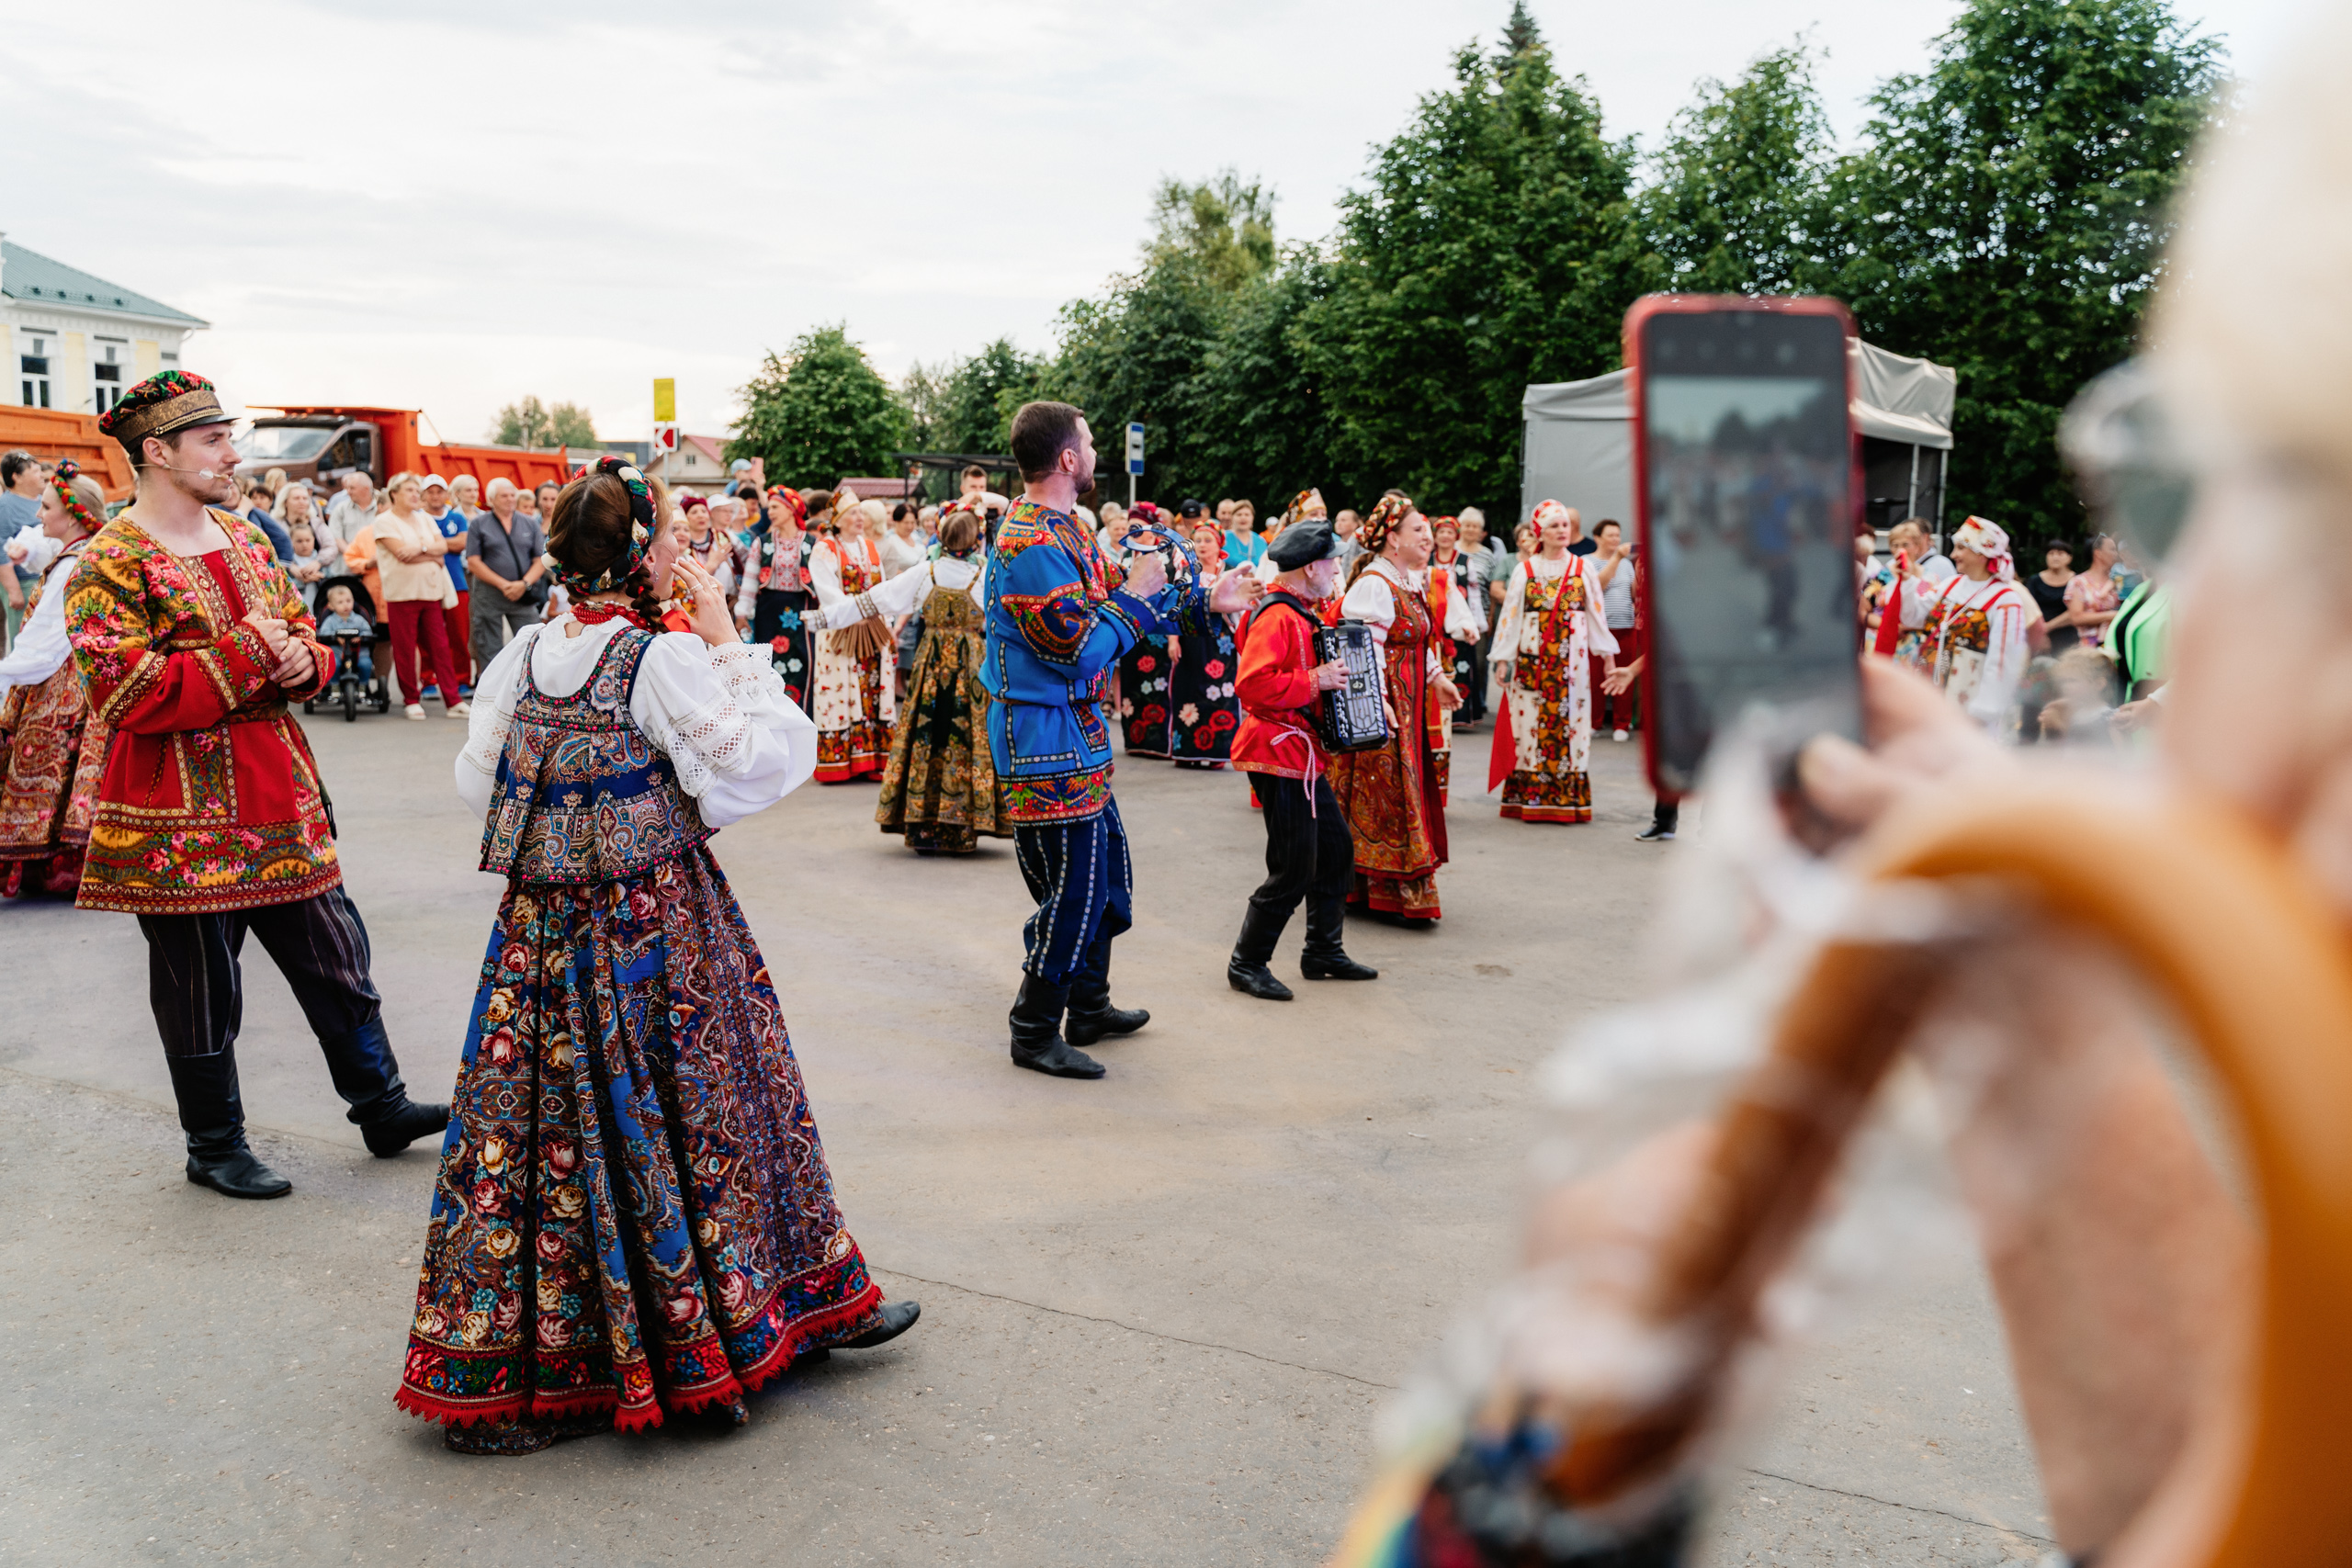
column 1746, row 494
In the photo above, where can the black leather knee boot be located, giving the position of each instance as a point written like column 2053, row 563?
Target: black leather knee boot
column 214, row 1120
column 1325, row 958
column 1246, row 970
column 1092, row 1016
column 369, row 1078
column 1037, row 1042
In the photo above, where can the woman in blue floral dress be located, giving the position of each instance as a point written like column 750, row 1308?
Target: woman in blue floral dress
column 633, row 1217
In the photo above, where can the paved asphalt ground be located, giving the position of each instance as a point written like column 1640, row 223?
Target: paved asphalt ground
column 1161, row 1313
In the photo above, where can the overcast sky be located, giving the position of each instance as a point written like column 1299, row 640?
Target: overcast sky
column 449, row 205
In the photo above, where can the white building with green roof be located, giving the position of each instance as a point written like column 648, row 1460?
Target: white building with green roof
column 76, row 342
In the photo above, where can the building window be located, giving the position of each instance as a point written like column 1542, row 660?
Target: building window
column 106, row 376
column 32, row 368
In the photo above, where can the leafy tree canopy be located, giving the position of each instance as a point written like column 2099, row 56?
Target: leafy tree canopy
column 530, row 423
column 819, row 413
column 2006, row 216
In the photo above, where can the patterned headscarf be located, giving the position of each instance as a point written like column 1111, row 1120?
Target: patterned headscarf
column 1988, row 540
column 75, row 507
column 1549, row 512
column 1308, row 497
column 789, row 499
column 643, row 526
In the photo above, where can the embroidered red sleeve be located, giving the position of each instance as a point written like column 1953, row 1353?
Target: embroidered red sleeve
column 1055, row 625
column 132, row 686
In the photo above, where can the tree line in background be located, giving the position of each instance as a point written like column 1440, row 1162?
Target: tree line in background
column 532, row 423
column 2005, row 213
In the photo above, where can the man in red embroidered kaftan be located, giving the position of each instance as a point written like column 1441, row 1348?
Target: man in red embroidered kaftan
column 211, row 822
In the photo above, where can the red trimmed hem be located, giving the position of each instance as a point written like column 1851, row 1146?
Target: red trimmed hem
column 644, row 1417
column 1559, row 815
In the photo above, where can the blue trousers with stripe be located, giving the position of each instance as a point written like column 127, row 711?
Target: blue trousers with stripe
column 1079, row 875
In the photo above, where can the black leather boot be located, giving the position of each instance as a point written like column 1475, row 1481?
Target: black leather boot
column 369, row 1078
column 1038, row 1042
column 1092, row 1016
column 214, row 1120
column 1246, row 970
column 1325, row 958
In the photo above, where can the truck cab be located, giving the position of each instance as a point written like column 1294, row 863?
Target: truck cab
column 322, row 448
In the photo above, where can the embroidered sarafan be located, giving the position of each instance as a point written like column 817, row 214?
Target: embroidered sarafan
column 210, row 799
column 582, row 794
column 633, row 1214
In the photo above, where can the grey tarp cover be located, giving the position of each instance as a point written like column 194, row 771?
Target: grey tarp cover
column 1580, row 434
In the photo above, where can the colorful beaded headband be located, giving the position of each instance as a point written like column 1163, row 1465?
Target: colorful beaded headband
column 75, row 507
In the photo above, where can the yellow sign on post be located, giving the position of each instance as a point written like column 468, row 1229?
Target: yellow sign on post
column 665, row 400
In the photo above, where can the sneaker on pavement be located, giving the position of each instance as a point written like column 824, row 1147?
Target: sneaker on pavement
column 1654, row 834
column 459, row 710
column 415, row 710
column 1622, row 735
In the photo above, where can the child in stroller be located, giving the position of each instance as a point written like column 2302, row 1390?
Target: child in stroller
column 353, row 636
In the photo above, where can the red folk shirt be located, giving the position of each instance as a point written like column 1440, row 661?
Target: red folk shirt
column 210, row 799
column 1276, row 688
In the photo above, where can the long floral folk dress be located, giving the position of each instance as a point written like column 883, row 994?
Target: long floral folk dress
column 940, row 789
column 1204, row 711
column 1394, row 795
column 52, row 749
column 1551, row 628
column 1147, row 677
column 633, row 1216
column 775, row 598
column 856, row 669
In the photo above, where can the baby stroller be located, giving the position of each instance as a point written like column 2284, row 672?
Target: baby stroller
column 352, row 688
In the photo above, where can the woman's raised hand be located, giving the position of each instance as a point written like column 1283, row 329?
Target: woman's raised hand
column 714, row 621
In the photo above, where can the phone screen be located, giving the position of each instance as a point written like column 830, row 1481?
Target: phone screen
column 1748, row 471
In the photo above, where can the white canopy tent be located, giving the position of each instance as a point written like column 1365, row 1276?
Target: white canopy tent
column 1579, row 440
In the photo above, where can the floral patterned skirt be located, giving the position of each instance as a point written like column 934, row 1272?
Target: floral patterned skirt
column 940, row 788
column 778, row 619
column 1551, row 722
column 633, row 1214
column 1143, row 683
column 49, row 783
column 1394, row 809
column 1207, row 711
column 856, row 702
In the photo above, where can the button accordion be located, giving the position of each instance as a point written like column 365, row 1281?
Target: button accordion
column 1355, row 716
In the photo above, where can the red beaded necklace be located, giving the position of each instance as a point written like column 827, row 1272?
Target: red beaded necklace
column 594, row 613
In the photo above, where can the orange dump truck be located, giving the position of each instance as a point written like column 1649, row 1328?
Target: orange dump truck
column 323, row 445
column 53, row 435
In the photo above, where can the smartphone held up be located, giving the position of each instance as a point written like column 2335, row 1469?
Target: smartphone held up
column 1746, row 493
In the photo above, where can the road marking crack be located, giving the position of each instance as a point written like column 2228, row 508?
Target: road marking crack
column 1906, row 1507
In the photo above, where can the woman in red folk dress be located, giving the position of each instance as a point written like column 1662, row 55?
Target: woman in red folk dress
column 1393, row 795
column 634, row 1218
column 856, row 668
column 52, row 746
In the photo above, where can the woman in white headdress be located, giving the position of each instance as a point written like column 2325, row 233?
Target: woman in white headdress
column 856, row 705
column 1972, row 625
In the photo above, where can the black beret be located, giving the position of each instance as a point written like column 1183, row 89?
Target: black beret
column 1305, row 542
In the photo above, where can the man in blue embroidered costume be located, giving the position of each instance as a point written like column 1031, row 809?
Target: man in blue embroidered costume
column 1057, row 627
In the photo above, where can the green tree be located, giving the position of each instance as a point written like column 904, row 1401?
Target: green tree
column 1146, row 348
column 1738, row 184
column 923, row 391
column 981, row 395
column 1495, row 245
column 523, row 423
column 819, row 413
column 1222, row 226
column 530, row 423
column 2007, row 217
column 568, row 425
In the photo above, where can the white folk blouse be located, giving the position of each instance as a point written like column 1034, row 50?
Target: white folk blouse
column 720, row 715
column 903, row 594
column 1371, row 599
